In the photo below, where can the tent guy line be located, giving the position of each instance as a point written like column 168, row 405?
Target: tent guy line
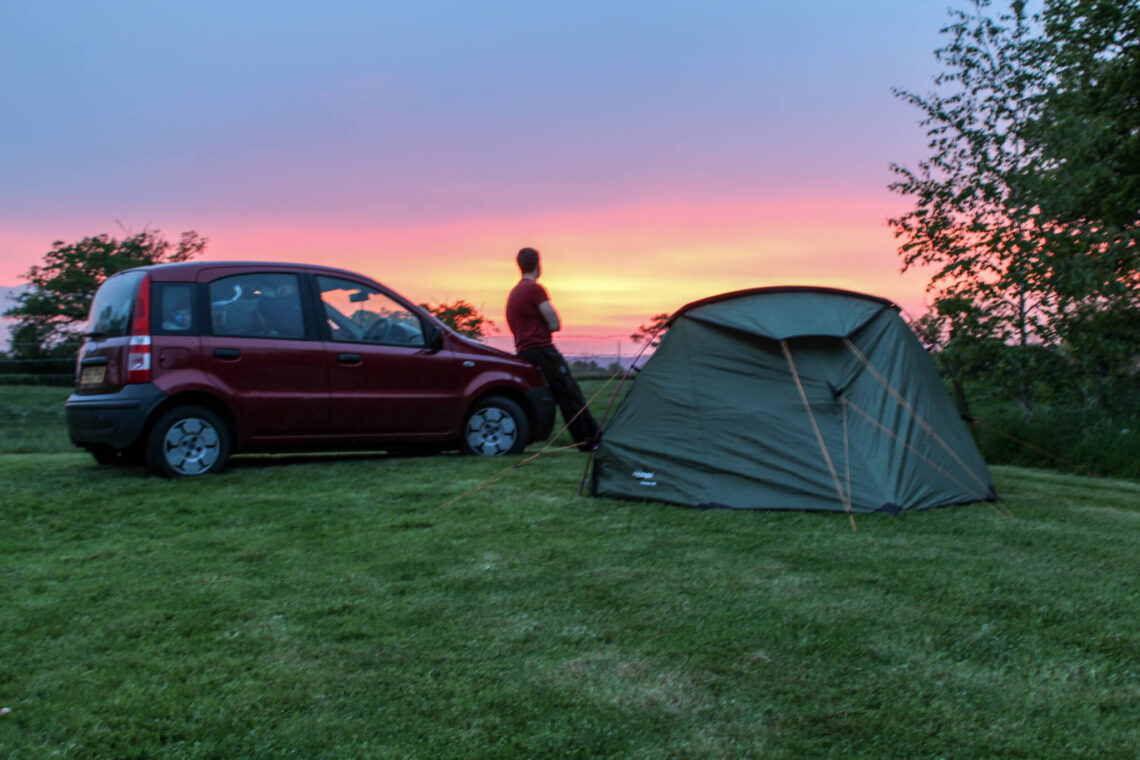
column 617, row 391
column 545, row 450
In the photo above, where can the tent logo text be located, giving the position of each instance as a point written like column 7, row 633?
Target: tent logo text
column 646, row 478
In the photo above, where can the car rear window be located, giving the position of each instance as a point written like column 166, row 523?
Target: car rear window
column 110, row 315
column 172, row 308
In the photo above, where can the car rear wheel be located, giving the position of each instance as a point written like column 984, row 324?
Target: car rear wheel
column 187, row 441
column 495, row 426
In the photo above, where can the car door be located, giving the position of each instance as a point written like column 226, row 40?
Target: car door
column 384, row 379
column 262, row 347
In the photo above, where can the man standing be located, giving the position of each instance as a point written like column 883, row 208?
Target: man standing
column 532, row 320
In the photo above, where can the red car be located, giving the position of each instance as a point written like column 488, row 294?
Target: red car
column 186, row 364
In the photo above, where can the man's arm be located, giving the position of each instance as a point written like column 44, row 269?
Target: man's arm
column 550, row 316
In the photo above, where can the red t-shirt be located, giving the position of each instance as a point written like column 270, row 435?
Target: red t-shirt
column 523, row 317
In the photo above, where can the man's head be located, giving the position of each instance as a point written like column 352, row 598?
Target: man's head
column 528, row 260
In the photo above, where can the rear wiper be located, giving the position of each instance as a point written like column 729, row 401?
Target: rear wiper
column 95, row 334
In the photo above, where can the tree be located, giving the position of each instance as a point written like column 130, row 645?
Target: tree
column 652, row 332
column 1088, row 189
column 1029, row 207
column 1090, row 126
column 49, row 315
column 971, row 222
column 462, row 317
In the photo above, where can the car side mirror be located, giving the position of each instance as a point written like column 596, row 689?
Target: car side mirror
column 434, row 338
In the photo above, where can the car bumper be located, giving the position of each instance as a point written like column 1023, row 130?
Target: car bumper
column 542, row 402
column 111, row 419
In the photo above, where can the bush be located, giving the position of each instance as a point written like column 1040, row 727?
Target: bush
column 1090, row 442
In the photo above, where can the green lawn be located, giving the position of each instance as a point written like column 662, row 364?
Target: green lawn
column 32, row 421
column 332, row 607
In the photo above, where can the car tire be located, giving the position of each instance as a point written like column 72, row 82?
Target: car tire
column 495, row 426
column 187, row 441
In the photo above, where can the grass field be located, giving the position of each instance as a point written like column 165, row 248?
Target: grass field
column 333, row 607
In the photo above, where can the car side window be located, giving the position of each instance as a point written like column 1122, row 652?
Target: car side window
column 361, row 314
column 261, row 305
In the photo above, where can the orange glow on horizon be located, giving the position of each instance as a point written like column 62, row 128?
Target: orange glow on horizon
column 607, row 271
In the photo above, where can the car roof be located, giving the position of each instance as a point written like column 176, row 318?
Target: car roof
column 186, row 269
column 197, row 265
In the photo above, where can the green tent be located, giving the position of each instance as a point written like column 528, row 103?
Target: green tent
column 790, row 398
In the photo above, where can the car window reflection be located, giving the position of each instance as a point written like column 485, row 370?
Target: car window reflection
column 361, row 314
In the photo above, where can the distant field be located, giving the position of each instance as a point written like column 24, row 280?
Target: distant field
column 332, row 606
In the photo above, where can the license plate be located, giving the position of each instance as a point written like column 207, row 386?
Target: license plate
column 92, row 375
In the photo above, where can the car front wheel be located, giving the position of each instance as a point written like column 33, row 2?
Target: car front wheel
column 187, row 441
column 495, row 426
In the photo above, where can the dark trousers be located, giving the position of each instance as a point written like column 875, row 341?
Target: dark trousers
column 583, row 428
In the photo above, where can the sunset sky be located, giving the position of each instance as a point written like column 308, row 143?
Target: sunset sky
column 656, row 152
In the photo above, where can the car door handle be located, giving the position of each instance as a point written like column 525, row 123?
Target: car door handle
column 227, row 353
column 348, row 358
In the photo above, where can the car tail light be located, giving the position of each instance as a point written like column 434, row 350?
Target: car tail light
column 138, row 357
